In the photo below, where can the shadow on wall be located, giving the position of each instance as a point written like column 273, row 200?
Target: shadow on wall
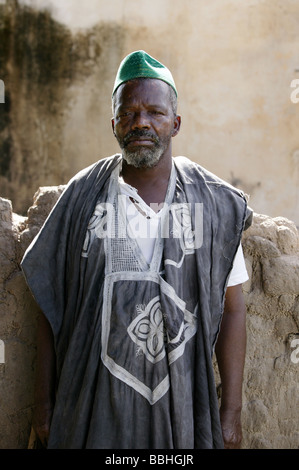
column 43, row 65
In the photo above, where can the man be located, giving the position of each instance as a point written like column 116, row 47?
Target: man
column 134, row 271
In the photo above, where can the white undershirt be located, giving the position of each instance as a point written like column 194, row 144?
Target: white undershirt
column 145, row 227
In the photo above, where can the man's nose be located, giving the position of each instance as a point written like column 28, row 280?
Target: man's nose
column 141, row 121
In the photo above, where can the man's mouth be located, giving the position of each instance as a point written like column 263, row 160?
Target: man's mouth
column 139, row 139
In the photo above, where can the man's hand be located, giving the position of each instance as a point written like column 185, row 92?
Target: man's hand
column 41, row 422
column 45, row 380
column 231, row 429
column 230, row 352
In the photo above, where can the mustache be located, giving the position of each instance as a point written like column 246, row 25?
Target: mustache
column 140, row 133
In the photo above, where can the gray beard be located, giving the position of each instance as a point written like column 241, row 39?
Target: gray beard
column 143, row 157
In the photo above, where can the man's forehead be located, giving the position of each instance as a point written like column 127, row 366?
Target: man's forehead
column 142, row 88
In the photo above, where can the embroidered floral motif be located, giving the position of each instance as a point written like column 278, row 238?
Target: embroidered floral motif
column 147, row 330
column 182, row 227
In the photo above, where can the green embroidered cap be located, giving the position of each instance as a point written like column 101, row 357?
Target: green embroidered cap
column 139, row 64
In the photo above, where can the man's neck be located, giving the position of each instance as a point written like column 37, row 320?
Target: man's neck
column 151, row 183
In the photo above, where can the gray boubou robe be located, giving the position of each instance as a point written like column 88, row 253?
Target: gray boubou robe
column 134, row 342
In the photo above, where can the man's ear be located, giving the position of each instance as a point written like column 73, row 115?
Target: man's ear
column 113, row 125
column 176, row 125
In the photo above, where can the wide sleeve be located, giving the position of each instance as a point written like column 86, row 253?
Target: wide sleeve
column 44, row 262
column 51, row 262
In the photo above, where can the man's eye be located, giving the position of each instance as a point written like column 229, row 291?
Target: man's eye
column 124, row 114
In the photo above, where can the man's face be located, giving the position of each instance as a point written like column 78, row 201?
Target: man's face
column 144, row 122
